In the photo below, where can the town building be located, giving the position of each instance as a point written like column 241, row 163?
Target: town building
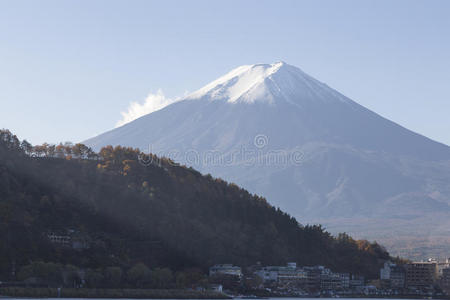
column 268, row 274
column 357, row 282
column 314, row 277
column 345, row 280
column 291, row 273
column 308, row 278
column 442, row 265
column 321, row 278
column 445, row 281
column 392, row 276
column 397, row 279
column 330, row 281
column 283, row 274
column 421, row 274
column 385, row 272
column 225, row 269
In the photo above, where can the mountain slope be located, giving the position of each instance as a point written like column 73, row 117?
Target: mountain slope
column 310, row 150
column 152, row 211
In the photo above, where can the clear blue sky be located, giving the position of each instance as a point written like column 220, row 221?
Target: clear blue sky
column 68, row 68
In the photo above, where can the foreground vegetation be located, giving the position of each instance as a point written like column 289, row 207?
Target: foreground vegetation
column 133, row 210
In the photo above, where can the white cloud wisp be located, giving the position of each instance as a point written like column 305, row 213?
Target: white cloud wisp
column 152, row 103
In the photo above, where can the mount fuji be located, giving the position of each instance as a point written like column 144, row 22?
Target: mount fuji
column 311, row 151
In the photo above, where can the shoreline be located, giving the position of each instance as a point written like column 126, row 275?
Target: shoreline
column 86, row 293
column 15, row 292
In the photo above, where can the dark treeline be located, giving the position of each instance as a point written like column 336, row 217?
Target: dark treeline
column 140, row 210
column 51, row 274
column 67, row 150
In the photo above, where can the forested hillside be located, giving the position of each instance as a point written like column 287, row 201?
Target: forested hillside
column 128, row 208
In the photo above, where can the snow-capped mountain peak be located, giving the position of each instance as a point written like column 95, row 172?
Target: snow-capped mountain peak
column 267, row 83
column 240, row 83
column 323, row 158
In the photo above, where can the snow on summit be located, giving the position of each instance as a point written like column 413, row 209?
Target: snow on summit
column 266, row 83
column 239, row 83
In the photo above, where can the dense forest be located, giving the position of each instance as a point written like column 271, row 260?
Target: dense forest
column 135, row 214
